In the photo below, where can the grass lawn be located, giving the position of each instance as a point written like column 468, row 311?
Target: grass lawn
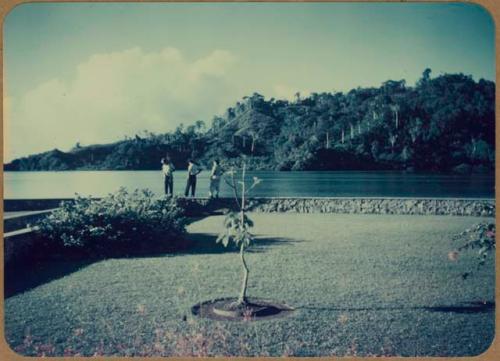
column 361, row 285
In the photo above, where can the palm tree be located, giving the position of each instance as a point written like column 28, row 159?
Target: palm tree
column 392, row 140
column 395, row 110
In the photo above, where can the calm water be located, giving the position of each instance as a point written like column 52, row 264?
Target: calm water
column 274, row 184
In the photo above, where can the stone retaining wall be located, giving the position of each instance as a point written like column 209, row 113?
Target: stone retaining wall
column 457, row 207
column 411, row 206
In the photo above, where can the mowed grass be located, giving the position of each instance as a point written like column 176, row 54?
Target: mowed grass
column 360, row 284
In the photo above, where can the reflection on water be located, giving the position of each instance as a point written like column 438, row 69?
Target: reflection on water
column 274, row 184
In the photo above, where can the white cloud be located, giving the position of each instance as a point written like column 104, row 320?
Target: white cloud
column 119, row 93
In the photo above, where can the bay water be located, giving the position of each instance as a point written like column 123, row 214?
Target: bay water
column 65, row 184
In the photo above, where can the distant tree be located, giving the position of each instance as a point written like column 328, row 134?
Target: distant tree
column 395, row 110
column 426, row 76
column 392, row 140
column 200, row 127
column 415, row 129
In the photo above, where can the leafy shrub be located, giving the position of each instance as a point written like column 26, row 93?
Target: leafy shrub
column 480, row 237
column 120, row 224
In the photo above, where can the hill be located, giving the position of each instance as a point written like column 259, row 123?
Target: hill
column 446, row 123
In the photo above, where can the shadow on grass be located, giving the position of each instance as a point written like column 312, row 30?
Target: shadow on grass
column 205, row 243
column 29, row 274
column 466, row 307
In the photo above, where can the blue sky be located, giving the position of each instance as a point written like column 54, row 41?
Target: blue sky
column 97, row 72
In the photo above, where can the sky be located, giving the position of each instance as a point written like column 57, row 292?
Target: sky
column 96, row 72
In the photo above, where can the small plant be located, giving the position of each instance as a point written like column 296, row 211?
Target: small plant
column 480, row 237
column 237, row 226
column 121, row 223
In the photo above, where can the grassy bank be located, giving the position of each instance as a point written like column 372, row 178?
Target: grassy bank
column 361, row 285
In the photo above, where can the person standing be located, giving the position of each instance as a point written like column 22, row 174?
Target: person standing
column 193, row 171
column 215, row 176
column 168, row 169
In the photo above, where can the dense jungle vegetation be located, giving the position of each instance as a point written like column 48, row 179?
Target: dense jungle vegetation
column 445, row 123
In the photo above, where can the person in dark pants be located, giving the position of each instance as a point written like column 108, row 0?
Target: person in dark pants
column 193, row 171
column 167, row 169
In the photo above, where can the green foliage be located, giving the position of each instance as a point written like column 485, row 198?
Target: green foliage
column 480, row 238
column 121, row 223
column 236, row 230
column 436, row 125
column 237, row 224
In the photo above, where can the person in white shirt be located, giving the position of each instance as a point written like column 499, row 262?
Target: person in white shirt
column 167, row 170
column 215, row 176
column 193, row 171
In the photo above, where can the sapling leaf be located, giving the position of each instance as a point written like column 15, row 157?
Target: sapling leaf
column 220, row 238
column 248, row 221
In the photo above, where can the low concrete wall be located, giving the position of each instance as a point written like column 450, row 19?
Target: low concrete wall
column 19, row 220
column 19, row 205
column 411, row 206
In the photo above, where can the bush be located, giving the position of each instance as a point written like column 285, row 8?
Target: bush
column 480, row 237
column 120, row 224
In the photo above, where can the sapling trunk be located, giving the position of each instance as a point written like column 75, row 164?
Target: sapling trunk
column 242, row 299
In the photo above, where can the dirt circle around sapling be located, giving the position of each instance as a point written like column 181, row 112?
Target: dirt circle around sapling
column 223, row 309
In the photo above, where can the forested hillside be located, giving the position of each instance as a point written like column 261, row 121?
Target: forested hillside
column 446, row 123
